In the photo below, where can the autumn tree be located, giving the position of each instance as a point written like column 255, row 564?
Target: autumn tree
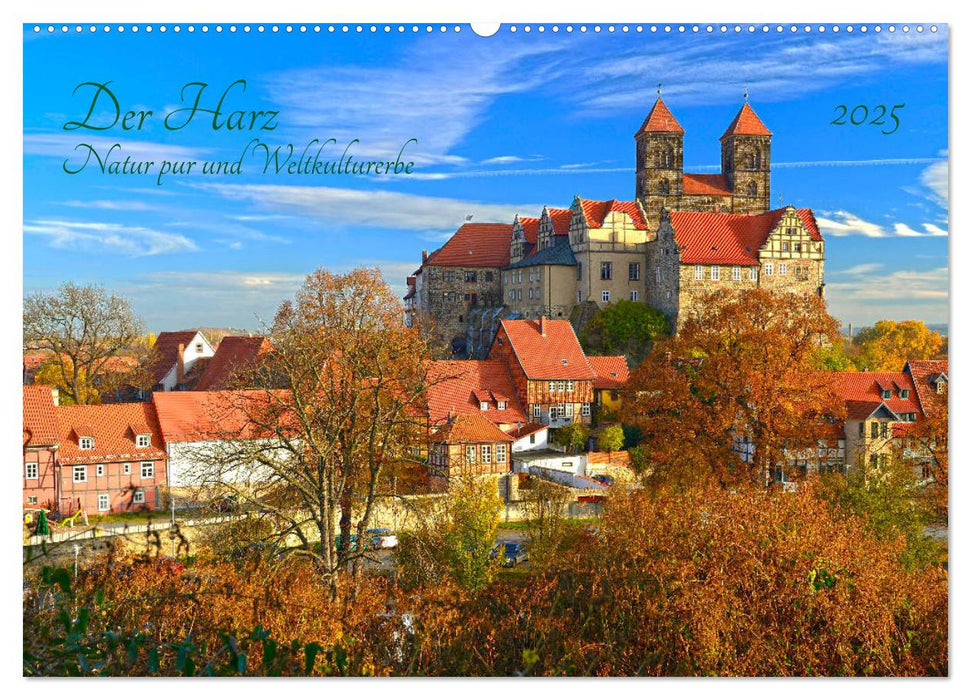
column 573, row 436
column 315, row 454
column 611, row 438
column 543, row 505
column 926, row 445
column 84, row 328
column 887, row 345
column 626, row 327
column 738, row 388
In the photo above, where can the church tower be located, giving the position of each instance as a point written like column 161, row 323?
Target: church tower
column 660, row 161
column 746, row 148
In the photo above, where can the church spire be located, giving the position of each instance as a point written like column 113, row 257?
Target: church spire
column 660, row 119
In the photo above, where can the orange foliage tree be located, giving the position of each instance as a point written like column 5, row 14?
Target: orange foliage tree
column 742, row 368
column 887, row 345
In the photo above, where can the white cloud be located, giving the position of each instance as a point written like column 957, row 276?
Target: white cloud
column 935, row 179
column 869, row 295
column 862, row 269
column 844, row 223
column 110, row 204
column 64, row 146
column 103, row 237
column 371, row 208
column 502, row 160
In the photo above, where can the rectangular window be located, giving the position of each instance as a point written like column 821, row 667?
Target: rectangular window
column 768, row 269
column 715, row 272
column 519, row 295
column 753, row 274
column 143, row 441
column 80, row 474
column 538, row 289
column 699, row 272
column 532, row 439
column 736, row 273
column 605, row 295
column 862, row 429
column 883, row 429
column 488, row 275
column 874, row 429
column 99, row 470
column 579, row 271
column 569, row 385
column 633, row 295
column 561, row 386
column 536, row 411
column 487, row 454
column 148, row 470
column 104, row 502
column 580, row 298
column 905, row 393
column 448, row 276
column 530, row 274
column 539, row 274
column 470, row 275
column 483, row 406
column 657, row 274
column 606, row 271
column 500, row 454
column 566, row 465
column 32, row 500
column 139, row 496
column 470, row 454
column 530, row 293
column 569, row 410
column 584, row 409
column 783, row 268
column 798, row 247
column 505, row 278
column 552, row 386
column 885, row 394
column 31, row 471
column 634, row 271
column 86, row 443
column 785, row 247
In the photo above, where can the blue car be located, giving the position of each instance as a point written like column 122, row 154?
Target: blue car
column 512, row 553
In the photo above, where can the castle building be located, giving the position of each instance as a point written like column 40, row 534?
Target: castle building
column 682, row 236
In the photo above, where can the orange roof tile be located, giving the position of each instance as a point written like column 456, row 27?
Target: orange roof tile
column 861, row 392
column 553, row 354
column 924, row 374
column 697, row 183
column 530, row 226
column 167, row 351
column 560, row 218
column 453, row 385
column 595, row 211
column 612, row 371
column 475, row 245
column 660, row 119
column 187, row 416
column 111, row 427
column 710, row 238
column 526, row 430
column 235, row 354
column 747, row 123
column 33, row 360
column 40, row 418
column 469, row 428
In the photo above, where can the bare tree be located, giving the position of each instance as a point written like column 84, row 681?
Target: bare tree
column 84, row 327
column 313, row 456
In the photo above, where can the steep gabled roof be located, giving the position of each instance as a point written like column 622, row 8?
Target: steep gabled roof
column 469, row 428
column 453, row 385
column 595, row 211
column 560, row 218
column 861, row 392
column 111, row 426
column 187, row 416
column 746, row 123
column 530, row 226
column 167, row 351
column 710, row 238
column 554, row 353
column 40, row 418
column 660, row 119
column 924, row 374
column 697, row 183
column 475, row 245
column 612, row 371
column 234, row 354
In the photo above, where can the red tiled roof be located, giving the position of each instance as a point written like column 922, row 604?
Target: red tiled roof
column 475, row 245
column 111, row 427
column 235, row 353
column 167, row 351
column 40, row 418
column 469, row 428
column 530, row 226
column 526, row 430
column 453, row 385
column 560, row 218
column 660, row 119
column 595, row 211
column 33, row 360
column 555, row 354
column 923, row 373
column 611, row 371
column 697, row 183
column 860, row 392
column 746, row 122
column 186, row 416
column 729, row 239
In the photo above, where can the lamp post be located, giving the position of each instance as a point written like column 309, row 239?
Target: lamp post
column 172, row 532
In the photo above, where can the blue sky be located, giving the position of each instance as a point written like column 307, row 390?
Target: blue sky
column 503, row 125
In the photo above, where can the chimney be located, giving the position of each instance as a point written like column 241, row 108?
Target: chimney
column 850, row 332
column 424, row 256
column 56, row 395
column 542, row 326
column 180, row 365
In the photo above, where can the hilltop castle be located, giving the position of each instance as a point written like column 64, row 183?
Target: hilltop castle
column 682, row 236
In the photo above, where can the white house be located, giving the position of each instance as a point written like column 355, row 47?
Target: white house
column 177, row 353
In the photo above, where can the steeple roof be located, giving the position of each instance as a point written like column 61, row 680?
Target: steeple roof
column 746, row 123
column 660, row 120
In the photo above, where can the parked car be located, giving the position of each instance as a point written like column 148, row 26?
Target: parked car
column 512, row 553
column 382, row 538
column 352, row 547
column 227, row 503
column 603, row 479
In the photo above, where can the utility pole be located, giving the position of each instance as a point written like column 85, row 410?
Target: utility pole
column 77, row 550
column 172, row 533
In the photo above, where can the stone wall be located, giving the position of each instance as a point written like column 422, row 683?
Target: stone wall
column 447, row 297
column 556, row 287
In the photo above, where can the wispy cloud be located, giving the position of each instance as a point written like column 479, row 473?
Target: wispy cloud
column 935, row 178
column 111, row 204
column 862, row 269
column 844, row 223
column 868, row 295
column 103, row 237
column 503, row 160
column 64, row 145
column 335, row 206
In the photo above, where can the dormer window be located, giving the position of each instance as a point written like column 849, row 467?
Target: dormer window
column 905, row 393
column 501, row 405
column 885, row 393
column 86, row 443
column 483, row 406
column 199, row 348
column 143, row 441
column 940, row 386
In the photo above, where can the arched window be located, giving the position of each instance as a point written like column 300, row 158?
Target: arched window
column 667, row 158
column 755, row 160
column 663, row 188
column 753, row 189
